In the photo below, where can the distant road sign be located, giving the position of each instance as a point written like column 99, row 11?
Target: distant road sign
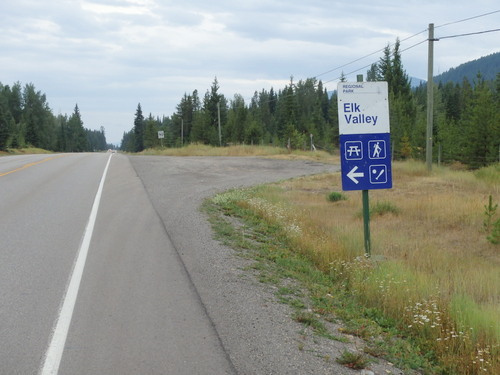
column 364, row 135
column 161, row 134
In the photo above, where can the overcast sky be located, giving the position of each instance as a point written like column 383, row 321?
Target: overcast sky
column 110, row 55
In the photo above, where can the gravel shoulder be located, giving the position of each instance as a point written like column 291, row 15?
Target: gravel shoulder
column 256, row 330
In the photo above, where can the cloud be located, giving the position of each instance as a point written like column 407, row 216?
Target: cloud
column 109, row 55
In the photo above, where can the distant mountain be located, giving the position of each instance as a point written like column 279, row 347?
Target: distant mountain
column 415, row 82
column 489, row 66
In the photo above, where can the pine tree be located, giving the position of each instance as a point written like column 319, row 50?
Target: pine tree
column 128, row 141
column 139, row 129
column 5, row 120
column 62, row 122
column 399, row 80
column 481, row 127
column 212, row 103
column 371, row 74
column 237, row 118
column 384, row 67
column 151, row 132
column 77, row 137
column 31, row 116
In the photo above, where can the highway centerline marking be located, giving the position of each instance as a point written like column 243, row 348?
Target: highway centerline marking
column 29, row 165
column 55, row 349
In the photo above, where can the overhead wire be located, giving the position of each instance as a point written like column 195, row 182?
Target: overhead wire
column 364, row 57
column 468, row 19
column 415, row 45
column 407, row 48
column 369, row 65
column 467, row 34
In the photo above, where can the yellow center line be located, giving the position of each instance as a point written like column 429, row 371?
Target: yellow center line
column 29, row 165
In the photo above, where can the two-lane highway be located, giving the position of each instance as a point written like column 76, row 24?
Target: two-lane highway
column 136, row 311
column 155, row 295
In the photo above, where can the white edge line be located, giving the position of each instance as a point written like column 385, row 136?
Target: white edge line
column 55, row 349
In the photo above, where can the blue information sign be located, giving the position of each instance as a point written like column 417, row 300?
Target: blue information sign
column 366, row 161
column 365, row 139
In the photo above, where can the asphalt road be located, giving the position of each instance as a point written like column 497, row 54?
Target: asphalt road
column 157, row 294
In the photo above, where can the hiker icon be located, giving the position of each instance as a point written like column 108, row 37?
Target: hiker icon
column 377, row 149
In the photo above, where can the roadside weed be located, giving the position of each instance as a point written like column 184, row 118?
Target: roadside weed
column 356, row 361
column 434, row 279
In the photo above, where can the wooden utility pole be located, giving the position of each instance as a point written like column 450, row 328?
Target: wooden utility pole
column 430, row 98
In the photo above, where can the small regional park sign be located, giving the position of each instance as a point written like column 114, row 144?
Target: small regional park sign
column 364, row 135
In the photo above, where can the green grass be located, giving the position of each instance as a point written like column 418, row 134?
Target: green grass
column 490, row 174
column 314, row 297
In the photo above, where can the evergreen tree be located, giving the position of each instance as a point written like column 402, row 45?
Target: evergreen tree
column 139, row 129
column 5, row 120
column 76, row 134
column 96, row 139
column 237, row 117
column 31, row 115
column 402, row 109
column 264, row 116
column 384, row 67
column 151, row 128
column 253, row 132
column 399, row 80
column 62, row 123
column 482, row 129
column 128, row 141
column 288, row 113
column 183, row 121
column 213, row 102
column 332, row 130
column 372, row 73
column 39, row 123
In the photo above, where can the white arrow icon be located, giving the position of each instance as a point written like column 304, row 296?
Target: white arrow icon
column 352, row 175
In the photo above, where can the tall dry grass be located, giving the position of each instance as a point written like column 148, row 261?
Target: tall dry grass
column 27, row 150
column 242, row 150
column 435, row 273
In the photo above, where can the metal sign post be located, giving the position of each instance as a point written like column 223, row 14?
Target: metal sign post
column 161, row 135
column 364, row 141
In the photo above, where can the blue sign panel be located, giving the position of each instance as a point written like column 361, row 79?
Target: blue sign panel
column 366, row 161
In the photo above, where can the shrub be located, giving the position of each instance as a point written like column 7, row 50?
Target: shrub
column 335, row 197
column 381, row 208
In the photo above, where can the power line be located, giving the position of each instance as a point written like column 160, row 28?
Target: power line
column 369, row 65
column 412, row 46
column 467, row 34
column 364, row 57
column 412, row 36
column 468, row 19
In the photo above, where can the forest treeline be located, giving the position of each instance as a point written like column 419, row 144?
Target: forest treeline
column 487, row 65
column 26, row 120
column 466, row 117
